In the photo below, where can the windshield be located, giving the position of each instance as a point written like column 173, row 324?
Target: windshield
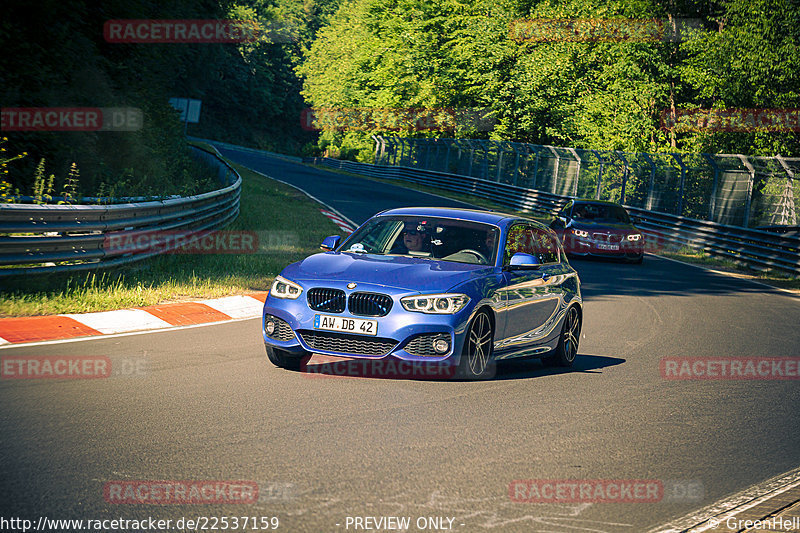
column 443, row 239
column 600, row 213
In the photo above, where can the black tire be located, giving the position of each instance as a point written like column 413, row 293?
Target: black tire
column 284, row 359
column 567, row 349
column 477, row 356
column 638, row 260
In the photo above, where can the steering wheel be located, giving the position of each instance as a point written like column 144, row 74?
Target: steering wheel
column 476, row 253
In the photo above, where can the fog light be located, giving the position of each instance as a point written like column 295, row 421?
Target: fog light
column 441, row 345
column 269, row 327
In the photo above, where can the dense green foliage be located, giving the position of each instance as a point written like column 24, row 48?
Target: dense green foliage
column 389, row 54
column 54, row 54
column 601, row 94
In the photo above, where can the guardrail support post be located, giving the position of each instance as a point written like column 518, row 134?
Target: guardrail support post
column 516, row 165
column 471, row 157
column 789, row 208
column 555, row 172
column 500, row 152
column 624, row 177
column 459, row 144
column 683, row 184
column 599, row 174
column 485, row 170
column 712, row 202
column 394, row 149
column 578, row 172
column 749, row 198
column 652, row 185
column 379, row 148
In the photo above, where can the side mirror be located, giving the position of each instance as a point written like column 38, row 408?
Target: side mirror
column 523, row 261
column 559, row 223
column 330, row 243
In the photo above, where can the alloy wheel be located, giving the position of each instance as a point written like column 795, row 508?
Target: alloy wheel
column 480, row 344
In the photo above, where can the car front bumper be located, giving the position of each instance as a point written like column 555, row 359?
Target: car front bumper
column 395, row 336
column 589, row 247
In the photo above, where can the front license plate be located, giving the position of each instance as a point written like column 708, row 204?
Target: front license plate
column 346, row 325
column 608, row 246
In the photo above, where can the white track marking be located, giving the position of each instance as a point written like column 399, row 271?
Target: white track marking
column 119, row 321
column 129, row 334
column 236, row 306
column 698, row 521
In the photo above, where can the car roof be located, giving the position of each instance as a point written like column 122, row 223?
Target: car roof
column 593, row 201
column 474, row 215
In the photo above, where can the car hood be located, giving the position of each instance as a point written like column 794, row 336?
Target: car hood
column 407, row 273
column 615, row 227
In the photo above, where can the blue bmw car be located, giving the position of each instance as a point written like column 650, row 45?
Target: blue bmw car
column 455, row 287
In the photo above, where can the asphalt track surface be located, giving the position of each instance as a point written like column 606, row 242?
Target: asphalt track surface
column 208, row 406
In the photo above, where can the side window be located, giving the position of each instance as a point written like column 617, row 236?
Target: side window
column 520, row 239
column 545, row 246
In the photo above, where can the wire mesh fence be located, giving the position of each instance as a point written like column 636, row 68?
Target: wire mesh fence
column 730, row 189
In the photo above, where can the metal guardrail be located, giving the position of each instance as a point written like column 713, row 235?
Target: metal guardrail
column 730, row 189
column 236, row 147
column 77, row 236
column 758, row 248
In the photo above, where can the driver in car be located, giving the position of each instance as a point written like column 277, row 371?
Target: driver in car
column 415, row 239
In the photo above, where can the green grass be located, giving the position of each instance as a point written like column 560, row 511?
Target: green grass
column 287, row 220
column 770, row 277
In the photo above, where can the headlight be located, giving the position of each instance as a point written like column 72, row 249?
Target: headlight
column 634, row 236
column 580, row 233
column 437, row 304
column 283, row 288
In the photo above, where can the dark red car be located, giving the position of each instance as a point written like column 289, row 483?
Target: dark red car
column 597, row 228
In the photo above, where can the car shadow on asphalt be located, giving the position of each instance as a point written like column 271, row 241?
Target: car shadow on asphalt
column 332, row 367
column 534, row 368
